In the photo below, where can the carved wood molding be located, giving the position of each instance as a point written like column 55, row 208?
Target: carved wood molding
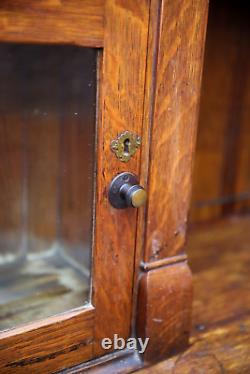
column 173, row 78
column 164, row 310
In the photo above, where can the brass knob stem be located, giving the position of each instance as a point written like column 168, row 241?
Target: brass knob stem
column 135, row 195
column 125, row 192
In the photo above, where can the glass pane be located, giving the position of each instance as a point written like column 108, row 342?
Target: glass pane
column 47, row 140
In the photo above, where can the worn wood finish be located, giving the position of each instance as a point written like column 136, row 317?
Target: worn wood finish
column 179, row 63
column 123, row 80
column 174, row 44
column 53, row 344
column 221, row 173
column 220, row 340
column 65, row 341
column 164, row 309
column 176, row 37
column 165, row 261
column 52, row 21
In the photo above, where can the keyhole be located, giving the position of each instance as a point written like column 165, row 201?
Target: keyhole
column 126, row 146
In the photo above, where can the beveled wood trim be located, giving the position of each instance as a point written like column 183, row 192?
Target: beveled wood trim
column 174, row 69
column 164, row 310
column 48, row 346
column 149, row 93
column 124, row 66
column 173, row 130
column 146, row 266
column 46, row 322
column 51, row 21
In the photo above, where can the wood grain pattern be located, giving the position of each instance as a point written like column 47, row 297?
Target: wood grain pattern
column 175, row 45
column 123, row 80
column 164, row 310
column 51, row 345
column 52, row 21
column 181, row 39
column 220, row 340
column 221, row 173
column 176, row 71
column 152, row 48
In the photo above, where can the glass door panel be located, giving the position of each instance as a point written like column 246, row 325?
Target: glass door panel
column 47, row 147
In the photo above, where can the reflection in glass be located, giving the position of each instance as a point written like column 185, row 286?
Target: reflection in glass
column 47, row 138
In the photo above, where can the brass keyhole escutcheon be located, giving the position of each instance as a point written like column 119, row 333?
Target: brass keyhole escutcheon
column 125, row 145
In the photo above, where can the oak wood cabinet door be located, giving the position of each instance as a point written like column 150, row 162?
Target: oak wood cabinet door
column 75, row 75
column 73, row 79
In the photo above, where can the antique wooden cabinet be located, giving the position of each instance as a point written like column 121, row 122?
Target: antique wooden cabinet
column 89, row 90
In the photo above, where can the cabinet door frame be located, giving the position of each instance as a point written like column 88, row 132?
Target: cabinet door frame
column 120, row 29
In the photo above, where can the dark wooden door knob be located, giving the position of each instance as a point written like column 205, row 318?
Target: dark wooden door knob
column 125, row 192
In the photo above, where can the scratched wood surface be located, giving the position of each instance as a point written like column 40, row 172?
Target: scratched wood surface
column 221, row 173
column 178, row 75
column 220, row 340
column 53, row 21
